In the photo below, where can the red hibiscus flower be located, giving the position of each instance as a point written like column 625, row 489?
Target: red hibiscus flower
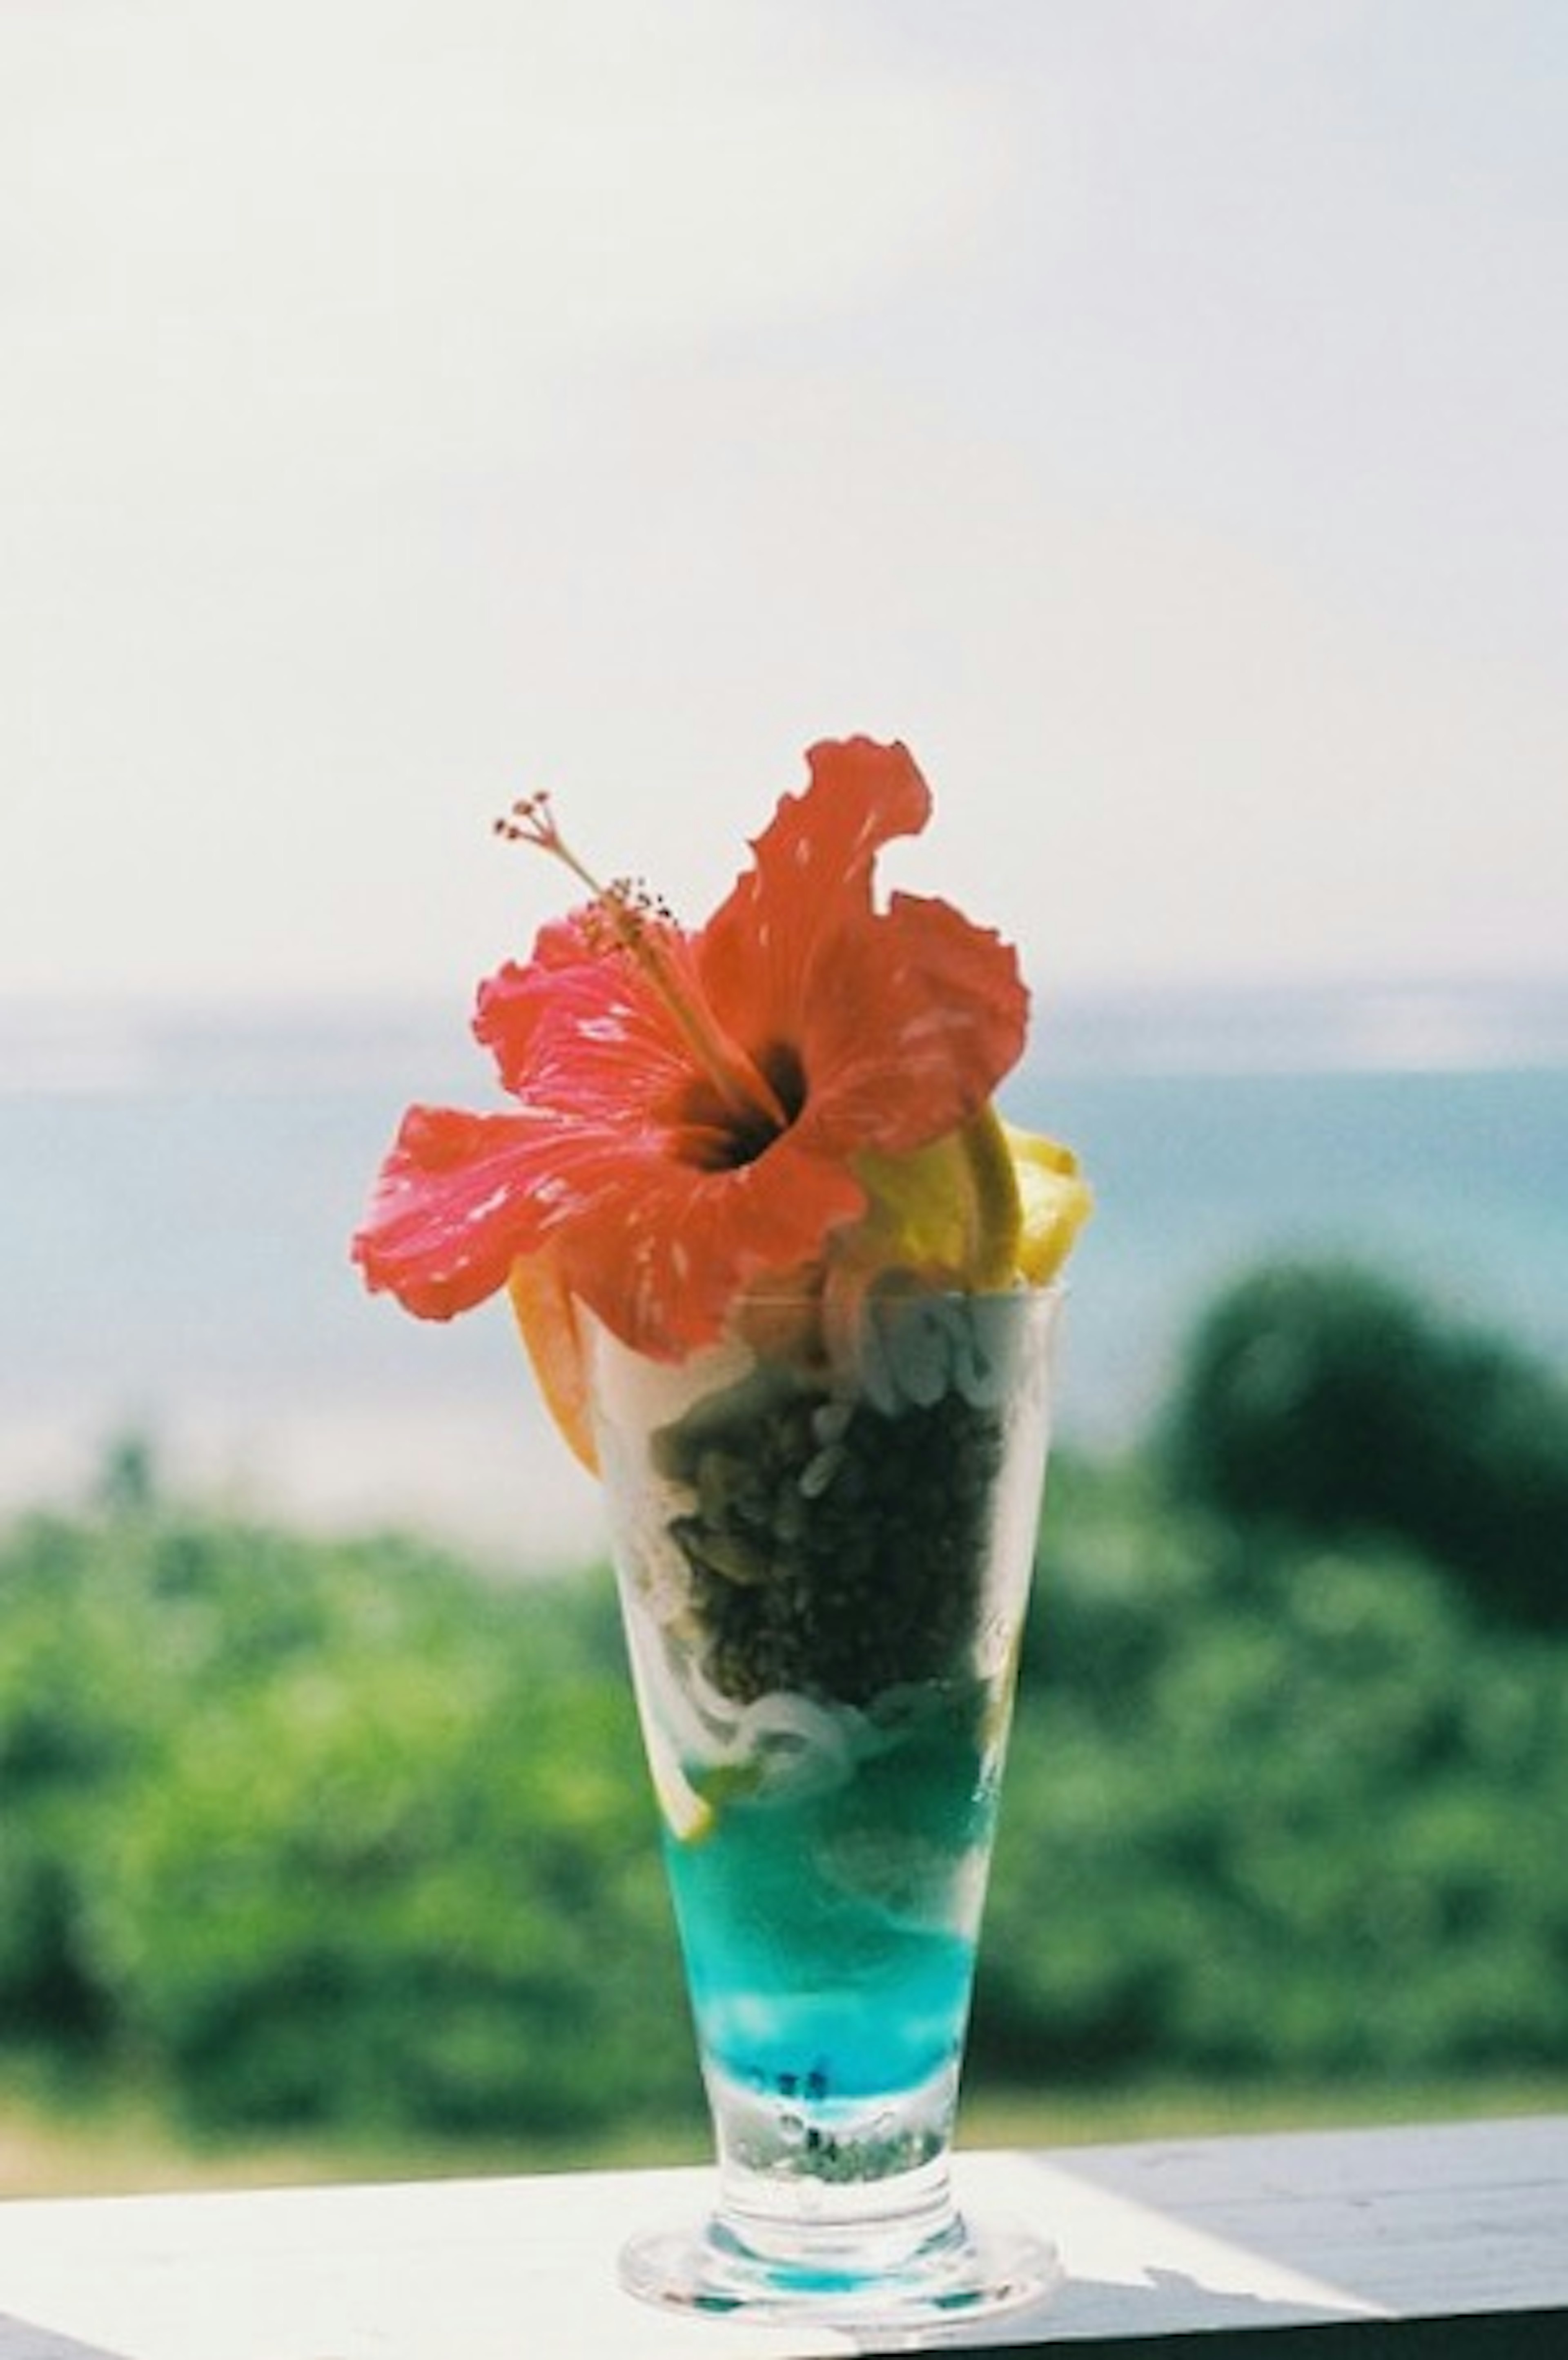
column 690, row 1107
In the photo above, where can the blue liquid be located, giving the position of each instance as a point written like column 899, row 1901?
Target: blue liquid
column 830, row 1935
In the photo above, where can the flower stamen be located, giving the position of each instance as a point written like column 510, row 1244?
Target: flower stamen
column 637, row 922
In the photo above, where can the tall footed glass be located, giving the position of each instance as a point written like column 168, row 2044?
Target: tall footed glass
column 823, row 1531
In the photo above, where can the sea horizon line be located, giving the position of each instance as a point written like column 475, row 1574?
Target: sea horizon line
column 98, row 1045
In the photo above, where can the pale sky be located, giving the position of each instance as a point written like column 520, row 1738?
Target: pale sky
column 1152, row 411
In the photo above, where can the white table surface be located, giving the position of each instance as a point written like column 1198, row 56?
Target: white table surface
column 1213, row 2241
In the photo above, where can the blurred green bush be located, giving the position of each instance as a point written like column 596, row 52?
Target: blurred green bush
column 1322, row 1395
column 328, row 1833
column 1278, row 1807
column 309, row 1832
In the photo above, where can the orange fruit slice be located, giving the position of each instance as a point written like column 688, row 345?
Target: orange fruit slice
column 547, row 1321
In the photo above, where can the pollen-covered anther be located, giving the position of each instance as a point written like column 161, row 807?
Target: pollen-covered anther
column 626, row 909
column 636, row 896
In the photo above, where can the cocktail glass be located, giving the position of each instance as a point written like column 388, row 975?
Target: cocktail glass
column 825, row 1531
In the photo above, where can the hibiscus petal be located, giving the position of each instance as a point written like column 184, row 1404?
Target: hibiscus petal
column 812, row 876
column 664, row 1256
column 899, row 1023
column 579, row 1029
column 913, row 1020
column 458, row 1199
column 656, row 1247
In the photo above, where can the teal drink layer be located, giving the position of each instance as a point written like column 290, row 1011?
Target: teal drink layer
column 829, row 1930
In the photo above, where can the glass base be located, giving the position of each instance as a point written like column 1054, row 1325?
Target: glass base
column 963, row 2271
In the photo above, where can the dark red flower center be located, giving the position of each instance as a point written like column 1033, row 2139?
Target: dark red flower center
column 715, row 1134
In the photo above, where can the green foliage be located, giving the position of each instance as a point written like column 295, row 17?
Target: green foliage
column 306, row 1832
column 1308, row 1824
column 1323, row 1394
column 329, row 1833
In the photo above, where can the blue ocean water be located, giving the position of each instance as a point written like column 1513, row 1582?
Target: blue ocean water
column 175, row 1257
column 1454, row 1183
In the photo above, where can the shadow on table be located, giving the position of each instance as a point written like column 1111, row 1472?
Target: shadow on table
column 1100, row 2318
column 20, row 2341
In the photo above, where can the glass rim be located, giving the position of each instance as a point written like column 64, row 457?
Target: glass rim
column 784, row 1301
